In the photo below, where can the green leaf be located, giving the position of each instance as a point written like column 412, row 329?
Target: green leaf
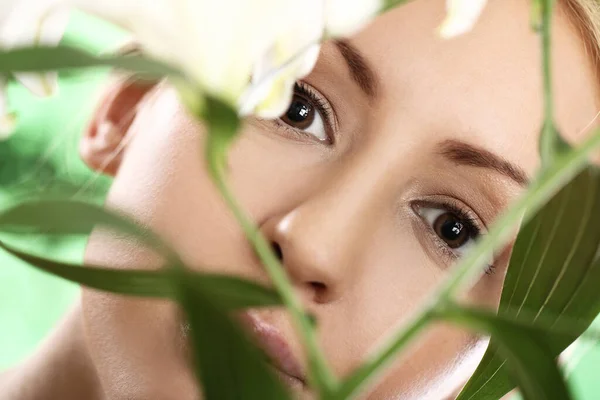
column 233, row 293
column 221, row 118
column 72, row 217
column 389, row 4
column 528, row 354
column 69, row 217
column 228, row 365
column 229, row 292
column 37, row 59
column 552, row 277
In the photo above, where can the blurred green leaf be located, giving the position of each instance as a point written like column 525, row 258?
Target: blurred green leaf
column 69, row 217
column 528, row 353
column 228, row 292
column 229, row 366
column 553, row 276
column 222, row 120
column 389, row 4
column 233, row 293
column 125, row 282
column 72, row 217
column 223, row 124
column 35, row 59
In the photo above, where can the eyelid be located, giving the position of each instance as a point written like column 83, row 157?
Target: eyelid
column 454, row 205
column 323, row 105
column 451, row 204
column 427, row 236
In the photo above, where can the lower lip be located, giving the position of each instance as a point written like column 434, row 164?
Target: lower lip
column 274, row 346
column 290, row 381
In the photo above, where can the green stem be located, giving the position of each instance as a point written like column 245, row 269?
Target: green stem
column 548, row 136
column 566, row 167
column 319, row 374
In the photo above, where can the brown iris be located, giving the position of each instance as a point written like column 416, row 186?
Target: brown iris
column 452, row 230
column 300, row 114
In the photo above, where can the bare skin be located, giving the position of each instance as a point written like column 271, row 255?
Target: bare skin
column 357, row 209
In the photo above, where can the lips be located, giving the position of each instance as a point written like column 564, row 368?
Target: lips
column 269, row 339
column 275, row 346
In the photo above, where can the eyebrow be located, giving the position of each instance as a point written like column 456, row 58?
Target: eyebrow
column 465, row 154
column 360, row 70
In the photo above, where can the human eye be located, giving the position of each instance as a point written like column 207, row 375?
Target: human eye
column 310, row 115
column 453, row 227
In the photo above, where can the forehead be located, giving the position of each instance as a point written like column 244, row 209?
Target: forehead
column 484, row 87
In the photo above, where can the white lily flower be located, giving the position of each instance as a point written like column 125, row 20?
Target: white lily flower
column 461, row 17
column 7, row 119
column 272, row 88
column 346, row 17
column 246, row 52
column 24, row 23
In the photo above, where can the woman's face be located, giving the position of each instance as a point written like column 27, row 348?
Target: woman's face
column 399, row 150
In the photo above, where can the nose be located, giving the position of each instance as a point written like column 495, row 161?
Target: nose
column 308, row 261
column 322, row 240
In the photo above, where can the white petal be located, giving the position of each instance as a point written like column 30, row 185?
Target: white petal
column 7, row 125
column 25, row 27
column 6, row 8
column 219, row 43
column 346, row 17
column 306, row 61
column 41, row 85
column 7, row 119
column 461, row 17
column 53, row 27
column 278, row 98
column 225, row 53
column 271, row 91
column 292, row 55
column 30, row 24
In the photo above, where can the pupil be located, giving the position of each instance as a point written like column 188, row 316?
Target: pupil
column 452, row 229
column 298, row 111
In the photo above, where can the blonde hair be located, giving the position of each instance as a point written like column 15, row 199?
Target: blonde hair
column 585, row 15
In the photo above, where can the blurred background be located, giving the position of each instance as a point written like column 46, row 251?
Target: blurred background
column 43, row 157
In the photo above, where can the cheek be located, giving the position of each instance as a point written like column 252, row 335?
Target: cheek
column 136, row 347
column 434, row 367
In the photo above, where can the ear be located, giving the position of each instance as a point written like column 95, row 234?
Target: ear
column 105, row 138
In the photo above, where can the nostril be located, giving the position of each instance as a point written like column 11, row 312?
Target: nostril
column 320, row 292
column 300, row 275
column 277, row 250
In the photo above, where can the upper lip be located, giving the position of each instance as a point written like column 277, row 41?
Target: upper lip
column 273, row 343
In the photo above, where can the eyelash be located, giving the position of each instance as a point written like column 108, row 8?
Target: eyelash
column 464, row 215
column 323, row 107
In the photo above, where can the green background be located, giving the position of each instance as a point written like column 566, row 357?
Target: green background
column 42, row 157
